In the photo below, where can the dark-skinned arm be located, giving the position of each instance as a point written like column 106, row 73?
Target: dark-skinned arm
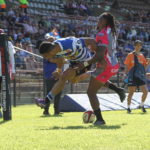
column 98, row 49
column 60, row 63
column 90, row 43
column 99, row 56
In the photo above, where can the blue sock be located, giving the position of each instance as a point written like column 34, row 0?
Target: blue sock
column 50, row 96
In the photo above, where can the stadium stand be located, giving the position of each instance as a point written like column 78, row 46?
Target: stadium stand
column 135, row 10
column 42, row 16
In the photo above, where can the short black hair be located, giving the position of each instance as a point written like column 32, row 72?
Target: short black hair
column 46, row 47
column 138, row 42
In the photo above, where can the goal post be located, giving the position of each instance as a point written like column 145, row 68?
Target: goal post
column 6, row 98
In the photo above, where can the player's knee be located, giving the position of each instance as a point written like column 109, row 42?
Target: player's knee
column 68, row 71
column 67, row 75
column 131, row 91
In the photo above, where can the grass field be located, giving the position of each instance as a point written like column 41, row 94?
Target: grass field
column 29, row 130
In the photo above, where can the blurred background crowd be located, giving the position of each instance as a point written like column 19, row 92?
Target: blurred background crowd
column 27, row 22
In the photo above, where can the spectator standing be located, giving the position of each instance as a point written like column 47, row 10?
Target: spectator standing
column 48, row 68
column 24, row 5
column 135, row 67
column 50, row 81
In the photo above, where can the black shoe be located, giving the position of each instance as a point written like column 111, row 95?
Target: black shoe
column 143, row 109
column 46, row 113
column 129, row 111
column 99, row 122
column 56, row 114
column 40, row 103
column 122, row 94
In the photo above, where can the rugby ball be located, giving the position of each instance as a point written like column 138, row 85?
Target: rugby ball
column 88, row 117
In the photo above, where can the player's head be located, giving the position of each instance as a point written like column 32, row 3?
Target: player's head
column 138, row 45
column 106, row 19
column 47, row 49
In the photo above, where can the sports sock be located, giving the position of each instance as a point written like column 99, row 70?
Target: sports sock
column 98, row 114
column 50, row 96
column 113, row 87
column 129, row 106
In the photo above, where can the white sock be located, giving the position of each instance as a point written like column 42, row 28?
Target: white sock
column 50, row 96
column 142, row 104
column 128, row 106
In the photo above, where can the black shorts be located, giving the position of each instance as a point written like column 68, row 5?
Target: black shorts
column 136, row 82
column 73, row 64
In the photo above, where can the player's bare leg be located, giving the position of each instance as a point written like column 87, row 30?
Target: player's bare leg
column 81, row 77
column 131, row 90
column 120, row 91
column 93, row 88
column 69, row 74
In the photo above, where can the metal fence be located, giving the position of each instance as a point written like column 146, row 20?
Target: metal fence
column 28, row 85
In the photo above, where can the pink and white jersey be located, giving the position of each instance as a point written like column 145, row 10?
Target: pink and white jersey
column 105, row 38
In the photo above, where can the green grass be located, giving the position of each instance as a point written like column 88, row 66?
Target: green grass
column 28, row 130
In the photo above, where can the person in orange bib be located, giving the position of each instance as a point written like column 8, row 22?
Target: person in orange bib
column 136, row 64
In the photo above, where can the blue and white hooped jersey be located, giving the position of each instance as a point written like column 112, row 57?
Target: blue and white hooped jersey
column 74, row 49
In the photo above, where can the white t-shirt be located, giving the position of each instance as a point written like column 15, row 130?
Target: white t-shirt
column 11, row 56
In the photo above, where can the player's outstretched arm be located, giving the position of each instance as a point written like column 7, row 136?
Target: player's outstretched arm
column 99, row 50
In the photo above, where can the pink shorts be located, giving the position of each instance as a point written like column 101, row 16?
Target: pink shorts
column 107, row 73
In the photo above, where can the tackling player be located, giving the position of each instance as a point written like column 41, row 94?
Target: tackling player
column 73, row 49
column 80, row 57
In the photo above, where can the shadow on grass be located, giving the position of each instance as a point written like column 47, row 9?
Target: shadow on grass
column 143, row 113
column 2, row 121
column 46, row 116
column 107, row 127
column 138, row 113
